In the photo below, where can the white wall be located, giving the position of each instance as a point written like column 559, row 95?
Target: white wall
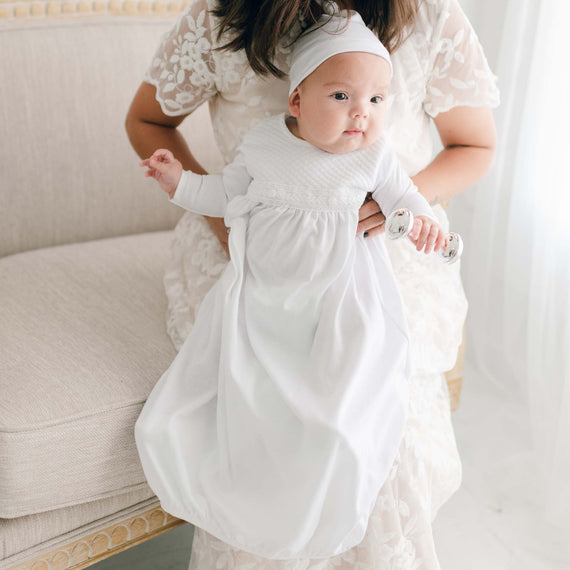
column 487, row 17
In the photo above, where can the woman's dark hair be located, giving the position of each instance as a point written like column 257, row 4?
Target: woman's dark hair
column 257, row 26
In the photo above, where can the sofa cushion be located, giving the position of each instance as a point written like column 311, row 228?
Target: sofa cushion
column 82, row 342
column 27, row 536
column 69, row 173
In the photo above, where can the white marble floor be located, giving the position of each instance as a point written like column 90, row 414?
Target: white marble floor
column 491, row 523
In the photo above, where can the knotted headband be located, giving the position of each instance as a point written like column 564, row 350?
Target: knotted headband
column 337, row 31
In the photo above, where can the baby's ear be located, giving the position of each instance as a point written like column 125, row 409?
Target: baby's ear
column 295, row 103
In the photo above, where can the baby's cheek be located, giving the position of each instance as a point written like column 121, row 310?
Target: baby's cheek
column 375, row 129
column 331, row 131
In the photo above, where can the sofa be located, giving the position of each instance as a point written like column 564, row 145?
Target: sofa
column 84, row 239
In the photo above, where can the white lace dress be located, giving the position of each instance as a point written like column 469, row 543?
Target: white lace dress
column 439, row 66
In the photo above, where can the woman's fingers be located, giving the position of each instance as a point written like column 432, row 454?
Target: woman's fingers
column 371, row 226
column 369, row 208
column 371, row 219
column 425, row 233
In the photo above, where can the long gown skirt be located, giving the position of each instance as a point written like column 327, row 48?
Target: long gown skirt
column 426, row 472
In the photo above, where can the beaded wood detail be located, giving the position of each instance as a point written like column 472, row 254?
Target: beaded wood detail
column 41, row 10
column 104, row 543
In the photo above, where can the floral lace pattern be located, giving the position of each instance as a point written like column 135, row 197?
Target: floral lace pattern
column 440, row 65
column 459, row 74
column 200, row 264
column 186, row 77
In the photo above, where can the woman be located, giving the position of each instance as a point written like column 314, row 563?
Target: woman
column 440, row 74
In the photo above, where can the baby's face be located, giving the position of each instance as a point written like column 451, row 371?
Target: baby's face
column 341, row 106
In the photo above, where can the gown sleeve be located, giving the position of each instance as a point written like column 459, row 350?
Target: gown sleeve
column 395, row 190
column 183, row 69
column 210, row 194
column 458, row 72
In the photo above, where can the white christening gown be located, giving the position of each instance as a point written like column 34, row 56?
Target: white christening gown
column 439, row 66
column 279, row 419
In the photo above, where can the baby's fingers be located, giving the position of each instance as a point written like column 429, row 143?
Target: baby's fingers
column 441, row 241
column 162, row 155
column 432, row 239
column 416, row 230
column 422, row 238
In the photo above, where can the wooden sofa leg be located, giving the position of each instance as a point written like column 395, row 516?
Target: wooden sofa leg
column 454, row 377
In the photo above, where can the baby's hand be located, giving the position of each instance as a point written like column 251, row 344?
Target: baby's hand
column 165, row 169
column 426, row 232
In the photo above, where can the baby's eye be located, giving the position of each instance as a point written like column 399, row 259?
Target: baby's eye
column 340, row 96
column 377, row 99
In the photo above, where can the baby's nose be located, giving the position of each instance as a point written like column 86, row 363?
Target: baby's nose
column 360, row 111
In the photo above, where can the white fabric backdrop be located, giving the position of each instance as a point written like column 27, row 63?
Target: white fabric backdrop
column 516, row 225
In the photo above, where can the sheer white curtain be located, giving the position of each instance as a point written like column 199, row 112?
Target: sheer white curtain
column 516, row 225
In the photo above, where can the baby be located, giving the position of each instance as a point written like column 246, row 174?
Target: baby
column 278, row 421
column 338, row 107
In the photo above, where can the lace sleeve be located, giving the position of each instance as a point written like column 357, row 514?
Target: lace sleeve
column 458, row 73
column 182, row 69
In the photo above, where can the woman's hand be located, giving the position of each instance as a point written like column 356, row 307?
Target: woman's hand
column 427, row 232
column 371, row 219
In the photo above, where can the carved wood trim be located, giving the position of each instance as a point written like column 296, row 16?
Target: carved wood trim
column 41, row 10
column 97, row 546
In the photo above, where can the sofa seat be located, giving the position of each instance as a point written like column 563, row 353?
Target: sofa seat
column 27, row 536
column 82, row 342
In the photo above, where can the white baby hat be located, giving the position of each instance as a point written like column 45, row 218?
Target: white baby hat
column 337, row 31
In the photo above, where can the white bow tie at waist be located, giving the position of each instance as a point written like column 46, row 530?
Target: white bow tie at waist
column 304, row 198
column 238, row 207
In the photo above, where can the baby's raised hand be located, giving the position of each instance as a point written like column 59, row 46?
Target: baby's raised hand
column 165, row 169
column 426, row 232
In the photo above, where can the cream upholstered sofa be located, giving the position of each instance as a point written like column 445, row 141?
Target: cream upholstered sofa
column 84, row 239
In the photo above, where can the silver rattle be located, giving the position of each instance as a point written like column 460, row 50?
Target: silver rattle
column 400, row 223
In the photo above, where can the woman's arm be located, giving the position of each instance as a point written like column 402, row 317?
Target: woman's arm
column 469, row 139
column 469, row 142
column 149, row 128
